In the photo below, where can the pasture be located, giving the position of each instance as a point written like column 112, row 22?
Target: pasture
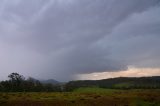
column 84, row 97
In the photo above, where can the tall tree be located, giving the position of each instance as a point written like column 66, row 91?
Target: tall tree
column 16, row 77
column 16, row 81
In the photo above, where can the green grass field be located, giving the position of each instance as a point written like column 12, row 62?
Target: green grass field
column 84, row 97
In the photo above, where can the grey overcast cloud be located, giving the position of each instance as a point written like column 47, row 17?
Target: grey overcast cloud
column 74, row 39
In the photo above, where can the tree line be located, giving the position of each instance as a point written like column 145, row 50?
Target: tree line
column 18, row 83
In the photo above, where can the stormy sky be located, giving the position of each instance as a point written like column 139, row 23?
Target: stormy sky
column 72, row 39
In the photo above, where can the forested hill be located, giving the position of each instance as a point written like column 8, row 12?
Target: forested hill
column 120, row 82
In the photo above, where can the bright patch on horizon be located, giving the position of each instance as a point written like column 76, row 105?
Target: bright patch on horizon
column 131, row 72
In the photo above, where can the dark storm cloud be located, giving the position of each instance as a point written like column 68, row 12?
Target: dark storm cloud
column 60, row 38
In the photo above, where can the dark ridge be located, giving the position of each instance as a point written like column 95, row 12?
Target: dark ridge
column 118, row 83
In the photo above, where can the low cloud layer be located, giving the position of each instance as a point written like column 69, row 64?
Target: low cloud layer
column 131, row 72
column 61, row 38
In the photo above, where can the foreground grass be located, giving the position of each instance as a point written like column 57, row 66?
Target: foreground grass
column 84, row 97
